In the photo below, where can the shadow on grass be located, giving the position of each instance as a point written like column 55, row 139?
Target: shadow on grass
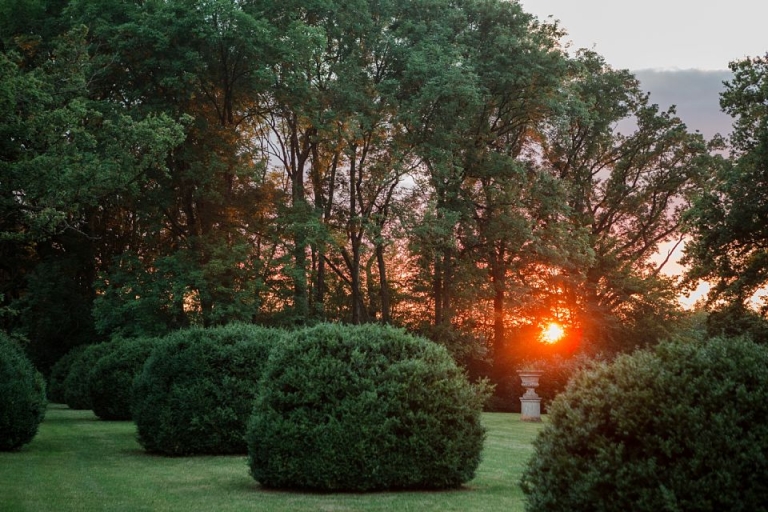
column 61, row 413
column 250, row 485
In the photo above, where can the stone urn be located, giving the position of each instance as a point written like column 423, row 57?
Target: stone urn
column 530, row 402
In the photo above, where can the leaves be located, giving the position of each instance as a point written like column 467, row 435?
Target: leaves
column 728, row 222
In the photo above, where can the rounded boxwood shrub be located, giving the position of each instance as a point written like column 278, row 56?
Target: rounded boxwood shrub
column 195, row 393
column 22, row 396
column 111, row 378
column 679, row 428
column 364, row 408
column 77, row 385
column 59, row 373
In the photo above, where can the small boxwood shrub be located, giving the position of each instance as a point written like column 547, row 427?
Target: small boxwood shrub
column 59, row 373
column 364, row 408
column 195, row 393
column 77, row 385
column 22, row 396
column 112, row 377
column 679, row 428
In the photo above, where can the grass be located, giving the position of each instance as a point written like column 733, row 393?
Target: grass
column 80, row 463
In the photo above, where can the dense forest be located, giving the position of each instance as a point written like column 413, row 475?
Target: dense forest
column 441, row 165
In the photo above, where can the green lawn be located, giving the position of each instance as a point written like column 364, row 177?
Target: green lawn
column 79, row 463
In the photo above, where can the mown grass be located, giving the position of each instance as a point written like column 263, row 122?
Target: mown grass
column 79, row 463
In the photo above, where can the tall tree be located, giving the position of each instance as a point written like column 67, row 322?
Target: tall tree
column 486, row 79
column 199, row 62
column 332, row 126
column 628, row 191
column 729, row 222
column 64, row 157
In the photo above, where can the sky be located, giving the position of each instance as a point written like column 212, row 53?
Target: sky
column 678, row 49
column 661, row 34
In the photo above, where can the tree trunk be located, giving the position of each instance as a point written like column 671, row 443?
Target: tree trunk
column 299, row 153
column 499, row 289
column 357, row 313
column 383, row 284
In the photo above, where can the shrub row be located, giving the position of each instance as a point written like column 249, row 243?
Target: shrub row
column 22, row 396
column 99, row 377
column 59, row 373
column 371, row 408
column 325, row 408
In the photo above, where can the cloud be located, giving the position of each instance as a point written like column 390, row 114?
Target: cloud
column 695, row 93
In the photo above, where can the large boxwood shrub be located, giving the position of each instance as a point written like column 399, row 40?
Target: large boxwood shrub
column 22, row 396
column 77, row 385
column 111, row 377
column 682, row 428
column 59, row 373
column 364, row 408
column 195, row 393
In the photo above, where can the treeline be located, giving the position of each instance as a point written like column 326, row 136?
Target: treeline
column 440, row 165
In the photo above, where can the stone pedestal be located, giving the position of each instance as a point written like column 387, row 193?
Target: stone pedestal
column 530, row 402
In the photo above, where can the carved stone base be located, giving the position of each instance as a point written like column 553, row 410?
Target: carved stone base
column 530, row 409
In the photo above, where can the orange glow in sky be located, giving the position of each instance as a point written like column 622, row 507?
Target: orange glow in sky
column 552, row 333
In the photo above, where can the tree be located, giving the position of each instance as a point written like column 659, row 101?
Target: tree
column 483, row 82
column 434, row 164
column 728, row 222
column 64, row 157
column 629, row 192
column 333, row 132
column 186, row 238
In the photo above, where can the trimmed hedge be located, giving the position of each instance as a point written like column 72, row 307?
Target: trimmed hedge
column 59, row 373
column 77, row 385
column 22, row 396
column 680, row 428
column 195, row 393
column 111, row 378
column 362, row 408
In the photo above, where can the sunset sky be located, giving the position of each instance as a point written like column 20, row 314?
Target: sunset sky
column 679, row 49
column 662, row 34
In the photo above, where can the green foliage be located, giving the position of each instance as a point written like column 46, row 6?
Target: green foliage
column 22, row 396
column 137, row 301
column 195, row 393
column 111, row 378
column 679, row 428
column 635, row 202
column 174, row 163
column 738, row 319
column 71, row 160
column 364, row 408
column 187, row 228
column 59, row 373
column 477, row 96
column 77, row 384
column 728, row 223
column 55, row 312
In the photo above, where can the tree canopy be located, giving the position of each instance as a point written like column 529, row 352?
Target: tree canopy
column 729, row 224
column 443, row 166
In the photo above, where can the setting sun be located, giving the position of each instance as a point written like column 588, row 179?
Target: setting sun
column 552, row 333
